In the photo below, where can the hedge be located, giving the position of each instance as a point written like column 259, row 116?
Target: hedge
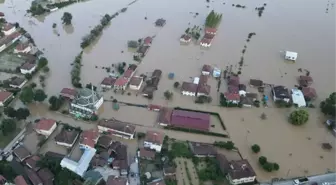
column 196, row 131
column 211, row 113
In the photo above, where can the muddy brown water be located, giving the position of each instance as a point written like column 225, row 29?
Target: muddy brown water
column 285, row 25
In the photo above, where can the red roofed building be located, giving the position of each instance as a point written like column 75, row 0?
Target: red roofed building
column 211, row 31
column 89, row 138
column 148, row 41
column 108, row 82
column 68, row 93
column 23, row 48
column 154, row 140
column 190, row 120
column 233, row 89
column 19, row 180
column 27, row 68
column 232, row 97
column 154, row 107
column 5, row 97
column 309, row 93
column 120, row 83
column 8, row 29
column 205, row 42
column 2, row 15
column 128, row 73
column 45, row 127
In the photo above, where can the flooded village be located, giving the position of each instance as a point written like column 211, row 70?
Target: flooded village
column 167, row 92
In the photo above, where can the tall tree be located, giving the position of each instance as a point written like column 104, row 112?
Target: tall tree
column 10, row 112
column 42, row 63
column 328, row 106
column 67, row 17
column 27, row 95
column 40, row 95
column 8, row 126
column 22, row 113
column 298, row 117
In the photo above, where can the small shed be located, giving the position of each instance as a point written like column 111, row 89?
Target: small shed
column 292, row 56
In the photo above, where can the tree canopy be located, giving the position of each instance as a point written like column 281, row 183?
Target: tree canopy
column 39, row 95
column 55, row 103
column 255, row 148
column 27, row 95
column 299, row 117
column 8, row 126
column 7, row 171
column 22, row 113
column 42, row 62
column 168, row 95
column 328, row 106
column 10, row 112
column 229, row 145
column 66, row 18
column 213, row 19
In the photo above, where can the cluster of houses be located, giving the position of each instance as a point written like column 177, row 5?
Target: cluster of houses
column 144, row 48
column 199, row 86
column 208, row 37
column 152, row 84
column 123, row 81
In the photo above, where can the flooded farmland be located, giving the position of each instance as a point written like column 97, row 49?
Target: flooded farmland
column 284, row 25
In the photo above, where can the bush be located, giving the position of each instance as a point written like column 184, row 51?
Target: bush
column 298, row 117
column 255, row 148
column 262, row 160
column 229, row 145
column 196, row 131
column 276, row 167
column 268, row 167
column 28, row 76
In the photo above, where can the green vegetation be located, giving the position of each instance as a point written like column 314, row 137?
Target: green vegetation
column 298, row 117
column 255, row 148
column 328, row 106
column 203, row 99
column 55, row 103
column 28, row 95
column 213, row 19
column 66, row 18
column 180, row 149
column 195, row 32
column 168, row 95
column 229, row 145
column 211, row 171
column 141, row 135
column 268, row 166
column 96, row 31
column 28, row 76
column 76, row 69
column 39, row 95
column 177, row 84
column 7, row 171
column 62, row 175
column 42, row 62
column 133, row 44
column 196, row 131
column 7, row 126
column 37, row 9
column 61, row 4
column 170, row 181
column 22, row 113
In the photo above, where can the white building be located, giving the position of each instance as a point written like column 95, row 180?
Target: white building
column 82, row 165
column 291, row 55
column 45, row 127
column 28, row 68
column 205, row 42
column 298, row 98
column 4, row 97
column 241, row 172
column 154, row 140
column 135, row 83
column 117, row 128
column 189, row 89
column 8, row 29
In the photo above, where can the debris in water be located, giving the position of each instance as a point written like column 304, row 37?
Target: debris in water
column 122, row 51
column 96, row 66
column 145, row 18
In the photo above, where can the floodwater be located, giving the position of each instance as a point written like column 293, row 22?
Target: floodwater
column 301, row 26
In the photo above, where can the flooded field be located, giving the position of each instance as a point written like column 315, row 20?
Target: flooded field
column 284, row 25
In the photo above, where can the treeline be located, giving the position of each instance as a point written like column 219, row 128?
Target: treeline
column 97, row 30
column 37, row 9
column 76, row 70
column 213, row 19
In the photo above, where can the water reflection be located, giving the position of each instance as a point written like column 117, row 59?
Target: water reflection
column 69, row 29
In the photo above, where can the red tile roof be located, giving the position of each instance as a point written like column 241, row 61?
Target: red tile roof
column 68, row 92
column 121, row 81
column 186, row 37
column 148, row 40
column 306, row 78
column 108, row 81
column 233, row 89
column 2, row 14
column 206, row 41
column 165, row 115
column 206, row 68
column 232, row 96
column 22, row 46
column 8, row 26
column 19, row 180
column 309, row 92
column 234, row 80
column 145, row 153
column 191, row 120
column 32, row 161
column 204, row 89
column 45, row 124
column 211, row 30
column 4, row 95
column 154, row 137
column 89, row 137
column 154, row 107
column 128, row 73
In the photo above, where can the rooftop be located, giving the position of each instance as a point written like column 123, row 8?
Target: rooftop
column 157, row 73
column 22, row 46
column 46, row 176
column 165, row 115
column 68, row 92
column 136, row 80
column 108, row 81
column 160, row 182
column 257, row 83
column 207, row 68
column 233, row 89
column 202, row 149
column 117, row 125
column 148, row 40
column 4, row 95
column 206, row 41
column 8, row 26
column 233, row 80
column 104, row 141
column 189, row 119
column 112, row 180
column 28, row 66
column 128, row 73
column 67, row 136
column 33, row 177
column 210, row 30
column 31, row 162
column 146, row 153
column 232, row 96
column 87, row 98
column 204, row 89
column 121, row 81
column 309, row 92
column 19, row 180
column 45, row 124
column 189, row 87
column 21, row 152
column 89, row 137
column 241, row 169
column 154, row 137
column 281, row 92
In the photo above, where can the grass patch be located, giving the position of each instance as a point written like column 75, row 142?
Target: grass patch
column 4, row 140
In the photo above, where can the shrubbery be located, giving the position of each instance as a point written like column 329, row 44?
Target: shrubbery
column 196, row 131
column 229, row 145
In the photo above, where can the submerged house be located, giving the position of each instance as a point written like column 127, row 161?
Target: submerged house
column 142, row 51
column 280, row 93
column 292, row 56
column 298, row 98
column 185, row 38
column 160, row 22
column 86, row 103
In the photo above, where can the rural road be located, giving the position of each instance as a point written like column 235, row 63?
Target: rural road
column 325, row 179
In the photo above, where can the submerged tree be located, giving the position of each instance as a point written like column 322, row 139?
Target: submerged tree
column 168, row 95
column 299, row 117
column 66, row 18
column 328, row 106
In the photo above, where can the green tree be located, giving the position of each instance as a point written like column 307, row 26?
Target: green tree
column 8, row 126
column 33, row 85
column 28, row 76
column 55, row 103
column 27, row 95
column 268, row 167
column 40, row 95
column 7, row 171
column 141, row 135
column 42, row 62
column 255, row 148
column 66, row 18
column 46, row 69
column 10, row 112
column 276, row 167
column 176, row 84
column 168, row 95
column 328, row 106
column 22, row 113
column 298, row 117
column 262, row 160
column 229, row 145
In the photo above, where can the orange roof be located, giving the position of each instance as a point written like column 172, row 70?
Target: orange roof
column 89, row 137
column 45, row 124
column 121, row 81
column 4, row 95
column 154, row 137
